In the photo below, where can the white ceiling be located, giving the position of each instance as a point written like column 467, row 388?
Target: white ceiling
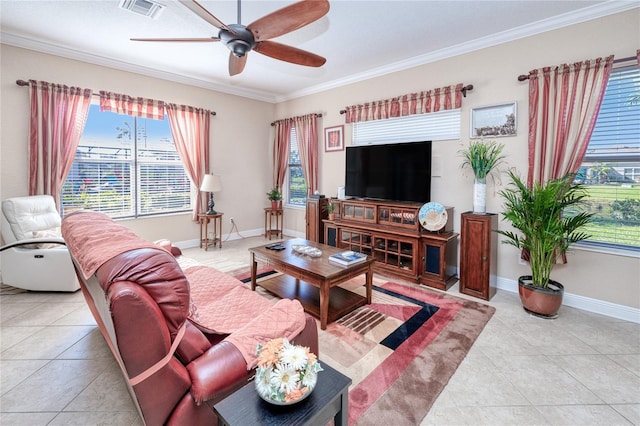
column 359, row 38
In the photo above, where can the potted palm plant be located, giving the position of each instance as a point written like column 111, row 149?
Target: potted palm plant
column 275, row 196
column 330, row 208
column 549, row 219
column 483, row 157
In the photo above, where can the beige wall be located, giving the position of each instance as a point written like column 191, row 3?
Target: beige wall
column 493, row 72
column 241, row 135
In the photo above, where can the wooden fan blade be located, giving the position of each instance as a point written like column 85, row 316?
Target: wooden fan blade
column 236, row 65
column 188, row 40
column 289, row 54
column 288, row 19
column 200, row 10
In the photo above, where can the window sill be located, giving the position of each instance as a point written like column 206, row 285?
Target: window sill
column 596, row 248
column 295, row 206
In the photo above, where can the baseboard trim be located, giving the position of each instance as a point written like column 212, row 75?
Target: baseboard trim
column 236, row 236
column 596, row 306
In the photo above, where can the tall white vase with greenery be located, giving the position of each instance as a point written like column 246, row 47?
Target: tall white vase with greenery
column 483, row 157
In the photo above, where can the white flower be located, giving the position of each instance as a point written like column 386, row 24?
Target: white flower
column 309, row 379
column 295, row 356
column 262, row 379
column 285, row 378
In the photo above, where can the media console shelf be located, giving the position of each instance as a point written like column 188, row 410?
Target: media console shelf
column 391, row 233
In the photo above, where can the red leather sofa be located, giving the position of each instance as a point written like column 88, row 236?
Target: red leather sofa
column 141, row 298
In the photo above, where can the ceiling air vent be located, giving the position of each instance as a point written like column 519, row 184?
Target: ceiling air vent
column 142, row 7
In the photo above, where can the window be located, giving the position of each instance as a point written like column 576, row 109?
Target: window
column 611, row 167
column 296, row 184
column 435, row 126
column 126, row 167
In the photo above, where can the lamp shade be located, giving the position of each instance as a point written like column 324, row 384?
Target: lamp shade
column 211, row 183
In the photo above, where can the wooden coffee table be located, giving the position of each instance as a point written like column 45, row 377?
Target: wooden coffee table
column 312, row 280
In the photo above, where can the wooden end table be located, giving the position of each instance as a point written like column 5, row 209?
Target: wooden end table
column 329, row 400
column 312, row 280
column 269, row 215
column 204, row 219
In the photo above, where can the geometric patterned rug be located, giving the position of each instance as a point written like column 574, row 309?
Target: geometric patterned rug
column 401, row 350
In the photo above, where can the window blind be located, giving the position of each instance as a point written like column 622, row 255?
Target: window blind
column 442, row 125
column 297, row 186
column 611, row 167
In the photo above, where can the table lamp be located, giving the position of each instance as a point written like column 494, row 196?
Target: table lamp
column 211, row 184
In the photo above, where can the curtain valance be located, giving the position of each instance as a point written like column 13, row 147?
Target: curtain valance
column 136, row 107
column 434, row 100
column 292, row 120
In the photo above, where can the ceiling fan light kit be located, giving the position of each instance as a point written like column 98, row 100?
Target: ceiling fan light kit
column 241, row 39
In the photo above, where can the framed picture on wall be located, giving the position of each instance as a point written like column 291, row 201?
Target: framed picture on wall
column 493, row 121
column 333, row 138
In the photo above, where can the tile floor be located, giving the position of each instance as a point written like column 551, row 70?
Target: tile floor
column 580, row 369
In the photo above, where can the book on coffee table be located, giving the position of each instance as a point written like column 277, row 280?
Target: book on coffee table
column 347, row 258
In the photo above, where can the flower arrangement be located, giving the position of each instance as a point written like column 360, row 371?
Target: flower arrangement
column 285, row 373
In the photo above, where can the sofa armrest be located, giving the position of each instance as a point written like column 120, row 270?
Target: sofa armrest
column 217, row 372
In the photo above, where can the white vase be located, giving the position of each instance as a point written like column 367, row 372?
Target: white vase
column 480, row 195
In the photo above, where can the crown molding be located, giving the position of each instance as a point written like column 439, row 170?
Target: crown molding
column 560, row 21
column 587, row 14
column 43, row 47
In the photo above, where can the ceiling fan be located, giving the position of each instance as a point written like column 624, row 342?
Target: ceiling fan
column 241, row 39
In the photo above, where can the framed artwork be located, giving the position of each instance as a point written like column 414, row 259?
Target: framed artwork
column 333, row 138
column 494, row 121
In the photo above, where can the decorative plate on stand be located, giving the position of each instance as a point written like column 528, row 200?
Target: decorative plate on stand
column 433, row 216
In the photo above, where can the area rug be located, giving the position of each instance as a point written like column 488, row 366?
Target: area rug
column 401, row 350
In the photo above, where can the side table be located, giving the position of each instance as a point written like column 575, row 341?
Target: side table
column 329, row 400
column 269, row 216
column 204, row 219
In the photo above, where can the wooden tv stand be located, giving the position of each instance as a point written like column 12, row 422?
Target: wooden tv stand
column 391, row 233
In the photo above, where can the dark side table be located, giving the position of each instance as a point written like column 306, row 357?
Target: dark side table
column 329, row 400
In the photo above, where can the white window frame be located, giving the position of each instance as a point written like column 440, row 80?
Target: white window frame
column 140, row 160
column 615, row 153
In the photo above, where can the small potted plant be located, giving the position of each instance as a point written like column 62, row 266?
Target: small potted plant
column 549, row 219
column 483, row 157
column 275, row 196
column 330, row 208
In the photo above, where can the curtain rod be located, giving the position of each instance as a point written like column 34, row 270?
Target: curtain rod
column 274, row 123
column 523, row 77
column 26, row 83
column 464, row 90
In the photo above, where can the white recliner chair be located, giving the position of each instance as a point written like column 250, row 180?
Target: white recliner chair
column 34, row 256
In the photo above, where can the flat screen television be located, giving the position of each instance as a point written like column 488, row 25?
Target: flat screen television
column 397, row 172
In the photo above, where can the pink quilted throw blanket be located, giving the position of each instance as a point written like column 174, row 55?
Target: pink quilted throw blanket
column 221, row 304
column 93, row 239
